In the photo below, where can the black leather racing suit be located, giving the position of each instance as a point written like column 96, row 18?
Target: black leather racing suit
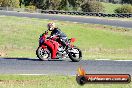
column 61, row 35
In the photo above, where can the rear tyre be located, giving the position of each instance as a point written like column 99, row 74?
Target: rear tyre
column 75, row 55
column 43, row 54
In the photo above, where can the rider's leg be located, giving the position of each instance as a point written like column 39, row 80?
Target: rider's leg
column 64, row 41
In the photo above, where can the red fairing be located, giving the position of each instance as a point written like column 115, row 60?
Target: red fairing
column 44, row 36
column 53, row 45
column 73, row 39
column 43, row 46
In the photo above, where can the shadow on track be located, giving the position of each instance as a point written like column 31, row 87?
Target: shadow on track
column 21, row 59
column 29, row 59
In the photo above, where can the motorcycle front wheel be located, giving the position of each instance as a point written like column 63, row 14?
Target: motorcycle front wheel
column 43, row 54
column 75, row 54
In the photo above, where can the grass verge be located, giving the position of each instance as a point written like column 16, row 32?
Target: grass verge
column 18, row 81
column 19, row 38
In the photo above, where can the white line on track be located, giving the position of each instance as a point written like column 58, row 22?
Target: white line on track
column 112, row 60
column 122, row 60
column 102, row 59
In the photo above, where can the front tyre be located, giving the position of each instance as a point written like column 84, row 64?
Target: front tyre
column 43, row 54
column 75, row 54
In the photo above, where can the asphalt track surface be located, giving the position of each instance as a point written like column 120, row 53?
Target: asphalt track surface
column 64, row 67
column 117, row 23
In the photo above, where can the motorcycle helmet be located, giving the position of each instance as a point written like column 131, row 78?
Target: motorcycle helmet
column 51, row 26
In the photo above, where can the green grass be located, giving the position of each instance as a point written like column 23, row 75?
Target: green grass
column 109, row 7
column 17, row 81
column 19, row 38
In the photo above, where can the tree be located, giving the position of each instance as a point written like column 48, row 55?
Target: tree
column 127, row 1
column 9, row 3
column 70, row 4
column 79, row 2
column 1, row 1
column 124, row 9
column 26, row 2
column 46, row 4
column 54, row 4
column 92, row 6
column 64, row 5
column 20, row 3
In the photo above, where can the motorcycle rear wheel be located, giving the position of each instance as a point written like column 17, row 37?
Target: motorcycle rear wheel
column 43, row 54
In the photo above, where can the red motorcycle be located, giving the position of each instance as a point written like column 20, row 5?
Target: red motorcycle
column 50, row 48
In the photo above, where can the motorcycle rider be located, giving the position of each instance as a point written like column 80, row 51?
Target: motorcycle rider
column 57, row 32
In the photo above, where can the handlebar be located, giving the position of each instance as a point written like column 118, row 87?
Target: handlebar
column 46, row 32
